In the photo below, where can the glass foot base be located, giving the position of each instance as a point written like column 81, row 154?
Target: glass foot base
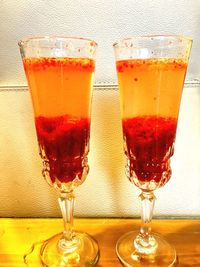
column 86, row 253
column 165, row 255
column 48, row 254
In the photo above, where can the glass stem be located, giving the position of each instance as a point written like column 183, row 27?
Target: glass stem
column 145, row 243
column 148, row 201
column 66, row 202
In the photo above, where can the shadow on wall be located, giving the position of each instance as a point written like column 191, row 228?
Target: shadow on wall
column 22, row 184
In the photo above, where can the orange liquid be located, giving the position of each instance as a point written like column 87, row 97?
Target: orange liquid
column 151, row 86
column 60, row 86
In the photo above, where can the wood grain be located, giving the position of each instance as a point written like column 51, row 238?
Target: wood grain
column 18, row 235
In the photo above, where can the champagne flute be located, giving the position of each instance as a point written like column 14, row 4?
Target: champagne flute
column 59, row 72
column 151, row 72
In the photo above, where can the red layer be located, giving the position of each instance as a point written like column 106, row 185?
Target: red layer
column 63, row 142
column 149, row 144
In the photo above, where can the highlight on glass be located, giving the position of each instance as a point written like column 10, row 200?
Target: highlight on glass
column 151, row 72
column 59, row 71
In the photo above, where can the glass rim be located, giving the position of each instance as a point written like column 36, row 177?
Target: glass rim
column 25, row 41
column 155, row 36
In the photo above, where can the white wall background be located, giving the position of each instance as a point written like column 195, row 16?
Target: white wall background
column 23, row 192
column 103, row 20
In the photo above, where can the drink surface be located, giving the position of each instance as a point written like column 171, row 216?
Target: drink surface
column 61, row 95
column 150, row 94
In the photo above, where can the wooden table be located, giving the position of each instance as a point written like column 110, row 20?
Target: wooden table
column 17, row 236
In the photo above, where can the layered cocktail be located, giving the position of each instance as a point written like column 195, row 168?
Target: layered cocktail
column 150, row 91
column 59, row 72
column 61, row 94
column 151, row 72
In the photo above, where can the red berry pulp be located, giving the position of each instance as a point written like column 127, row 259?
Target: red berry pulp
column 149, row 145
column 63, row 143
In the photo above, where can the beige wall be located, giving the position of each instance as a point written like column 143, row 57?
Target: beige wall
column 106, row 191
